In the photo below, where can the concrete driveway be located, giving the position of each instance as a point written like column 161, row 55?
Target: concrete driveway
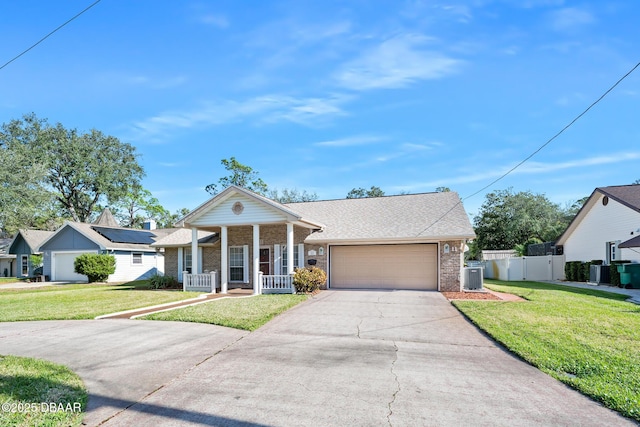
column 356, row 358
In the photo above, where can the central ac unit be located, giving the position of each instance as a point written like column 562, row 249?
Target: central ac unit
column 472, row 278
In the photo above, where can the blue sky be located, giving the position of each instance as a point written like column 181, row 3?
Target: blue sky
column 326, row 96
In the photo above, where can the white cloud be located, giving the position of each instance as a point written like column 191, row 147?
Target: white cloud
column 396, row 63
column 214, row 20
column 350, row 141
column 570, row 18
column 262, row 109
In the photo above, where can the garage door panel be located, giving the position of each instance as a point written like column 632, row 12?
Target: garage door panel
column 64, row 269
column 411, row 266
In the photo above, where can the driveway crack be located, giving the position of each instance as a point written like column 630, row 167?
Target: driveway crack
column 358, row 327
column 395, row 393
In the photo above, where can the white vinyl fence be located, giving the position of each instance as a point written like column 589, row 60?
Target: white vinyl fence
column 547, row 267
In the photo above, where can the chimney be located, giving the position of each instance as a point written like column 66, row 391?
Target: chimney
column 149, row 224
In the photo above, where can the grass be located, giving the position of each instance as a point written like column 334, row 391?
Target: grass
column 81, row 301
column 588, row 339
column 240, row 313
column 33, row 392
column 9, row 280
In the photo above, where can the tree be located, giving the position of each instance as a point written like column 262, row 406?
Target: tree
column 361, row 193
column 241, row 175
column 442, row 189
column 78, row 169
column 507, row 219
column 86, row 168
column 137, row 206
column 291, row 196
column 24, row 200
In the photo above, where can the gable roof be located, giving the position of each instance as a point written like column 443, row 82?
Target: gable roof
column 33, row 238
column 627, row 195
column 232, row 190
column 104, row 243
column 425, row 216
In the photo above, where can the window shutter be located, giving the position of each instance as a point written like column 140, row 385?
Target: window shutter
column 200, row 269
column 245, row 263
column 277, row 259
column 180, row 264
column 300, row 255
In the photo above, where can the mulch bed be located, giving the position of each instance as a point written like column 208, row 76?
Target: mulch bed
column 488, row 295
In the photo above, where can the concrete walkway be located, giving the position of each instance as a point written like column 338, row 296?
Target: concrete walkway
column 634, row 294
column 357, row 358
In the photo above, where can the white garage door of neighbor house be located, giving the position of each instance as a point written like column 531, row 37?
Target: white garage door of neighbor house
column 413, row 266
column 63, row 268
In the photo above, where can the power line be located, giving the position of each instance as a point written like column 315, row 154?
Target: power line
column 48, row 35
column 504, row 175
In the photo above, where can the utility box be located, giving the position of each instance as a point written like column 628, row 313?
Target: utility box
column 599, row 274
column 472, row 278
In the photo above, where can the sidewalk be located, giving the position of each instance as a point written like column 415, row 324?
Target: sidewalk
column 634, row 294
column 130, row 314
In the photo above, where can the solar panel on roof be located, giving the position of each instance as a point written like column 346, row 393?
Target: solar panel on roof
column 119, row 235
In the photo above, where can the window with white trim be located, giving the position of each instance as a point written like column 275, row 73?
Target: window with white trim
column 187, row 260
column 136, row 258
column 296, row 258
column 236, row 264
column 25, row 265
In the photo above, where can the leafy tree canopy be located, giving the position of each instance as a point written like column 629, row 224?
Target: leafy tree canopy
column 361, row 193
column 240, row 175
column 291, row 196
column 508, row 219
column 75, row 170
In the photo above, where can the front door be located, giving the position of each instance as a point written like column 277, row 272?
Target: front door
column 265, row 261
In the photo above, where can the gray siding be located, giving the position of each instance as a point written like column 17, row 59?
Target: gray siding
column 20, row 248
column 69, row 240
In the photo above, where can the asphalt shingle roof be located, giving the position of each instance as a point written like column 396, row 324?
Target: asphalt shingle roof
column 410, row 216
column 626, row 194
column 182, row 237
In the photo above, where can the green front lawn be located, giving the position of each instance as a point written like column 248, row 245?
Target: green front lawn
column 588, row 339
column 81, row 301
column 240, row 313
column 8, row 280
column 35, row 392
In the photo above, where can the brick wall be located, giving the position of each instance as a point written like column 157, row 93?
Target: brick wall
column 450, row 264
column 171, row 262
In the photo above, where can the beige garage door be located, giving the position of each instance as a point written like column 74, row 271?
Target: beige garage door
column 384, row 267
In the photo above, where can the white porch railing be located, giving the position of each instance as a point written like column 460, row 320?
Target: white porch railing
column 277, row 284
column 204, row 282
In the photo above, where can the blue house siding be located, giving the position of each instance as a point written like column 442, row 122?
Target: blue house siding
column 21, row 249
column 69, row 240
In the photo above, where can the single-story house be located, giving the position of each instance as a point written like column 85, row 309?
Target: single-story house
column 606, row 227
column 7, row 260
column 413, row 241
column 135, row 258
column 25, row 244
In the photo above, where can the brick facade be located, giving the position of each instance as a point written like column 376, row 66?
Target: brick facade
column 450, row 265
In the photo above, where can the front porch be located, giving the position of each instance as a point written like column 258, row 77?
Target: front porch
column 246, row 240
column 208, row 282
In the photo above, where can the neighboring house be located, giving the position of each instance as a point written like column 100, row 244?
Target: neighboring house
column 413, row 241
column 606, row 228
column 25, row 244
column 135, row 258
column 7, row 260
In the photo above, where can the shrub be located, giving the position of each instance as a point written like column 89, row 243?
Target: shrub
column 97, row 267
column 164, row 282
column 613, row 272
column 309, row 279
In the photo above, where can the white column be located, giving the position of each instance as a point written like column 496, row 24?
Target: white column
column 256, row 259
column 194, row 251
column 290, row 249
column 224, row 260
